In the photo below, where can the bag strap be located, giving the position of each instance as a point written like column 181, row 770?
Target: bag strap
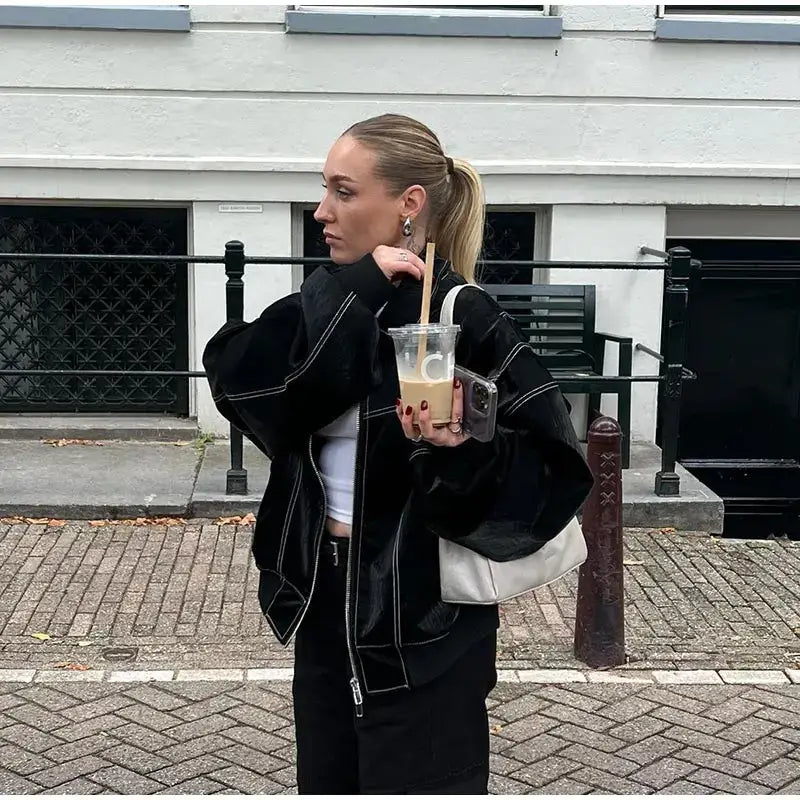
column 449, row 304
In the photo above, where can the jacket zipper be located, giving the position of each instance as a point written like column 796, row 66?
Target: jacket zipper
column 355, row 686
column 319, row 536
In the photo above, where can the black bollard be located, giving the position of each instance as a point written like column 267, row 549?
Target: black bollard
column 600, row 612
column 236, row 478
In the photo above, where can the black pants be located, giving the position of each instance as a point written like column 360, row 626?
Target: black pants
column 433, row 739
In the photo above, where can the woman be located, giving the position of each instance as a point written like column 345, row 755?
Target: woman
column 390, row 683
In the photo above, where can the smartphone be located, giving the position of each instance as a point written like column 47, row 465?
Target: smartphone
column 480, row 405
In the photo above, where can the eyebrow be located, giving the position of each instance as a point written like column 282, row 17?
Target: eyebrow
column 339, row 178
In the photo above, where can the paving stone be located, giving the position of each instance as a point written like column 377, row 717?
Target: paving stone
column 763, row 751
column 683, row 787
column 195, row 786
column 11, row 783
column 125, row 781
column 186, row 769
column 638, row 729
column 607, row 783
column 664, row 772
column 727, row 783
column 244, row 780
column 605, row 761
column 77, row 786
column 726, row 764
column 649, row 750
column 22, row 761
column 544, row 771
column 68, row 770
column 748, row 730
column 777, row 774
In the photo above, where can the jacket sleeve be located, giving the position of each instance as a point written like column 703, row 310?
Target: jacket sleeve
column 307, row 359
column 507, row 497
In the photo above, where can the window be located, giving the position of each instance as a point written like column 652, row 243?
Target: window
column 123, row 18
column 717, row 23
column 530, row 21
column 510, row 235
column 748, row 12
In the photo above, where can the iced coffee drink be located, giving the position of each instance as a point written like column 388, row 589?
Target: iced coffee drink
column 425, row 365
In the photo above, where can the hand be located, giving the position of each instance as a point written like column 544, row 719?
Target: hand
column 395, row 262
column 442, row 435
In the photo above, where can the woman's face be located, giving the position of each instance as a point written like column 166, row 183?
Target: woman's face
column 357, row 211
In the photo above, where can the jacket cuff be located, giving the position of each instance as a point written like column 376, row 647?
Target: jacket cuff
column 367, row 281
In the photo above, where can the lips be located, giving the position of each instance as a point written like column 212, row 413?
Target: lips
column 329, row 237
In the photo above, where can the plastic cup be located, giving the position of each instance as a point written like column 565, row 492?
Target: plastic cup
column 426, row 360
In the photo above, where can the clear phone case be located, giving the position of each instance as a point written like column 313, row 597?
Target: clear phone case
column 480, row 404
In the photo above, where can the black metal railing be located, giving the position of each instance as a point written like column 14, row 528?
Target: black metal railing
column 677, row 265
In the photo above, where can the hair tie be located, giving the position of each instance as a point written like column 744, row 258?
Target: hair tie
column 450, row 166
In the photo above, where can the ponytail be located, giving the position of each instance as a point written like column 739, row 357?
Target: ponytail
column 459, row 233
column 408, row 152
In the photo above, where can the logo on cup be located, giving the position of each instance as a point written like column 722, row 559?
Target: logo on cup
column 430, row 359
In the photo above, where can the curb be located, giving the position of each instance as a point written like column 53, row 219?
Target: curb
column 739, row 677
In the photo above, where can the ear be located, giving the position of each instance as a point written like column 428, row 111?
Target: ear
column 412, row 201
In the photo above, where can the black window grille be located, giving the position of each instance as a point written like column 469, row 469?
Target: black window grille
column 509, row 235
column 98, row 315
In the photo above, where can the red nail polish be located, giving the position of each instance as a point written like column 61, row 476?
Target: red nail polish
column 397, row 403
column 457, row 383
column 423, row 406
column 409, row 411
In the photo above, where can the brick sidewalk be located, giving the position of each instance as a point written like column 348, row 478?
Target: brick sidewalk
column 188, row 593
column 215, row 737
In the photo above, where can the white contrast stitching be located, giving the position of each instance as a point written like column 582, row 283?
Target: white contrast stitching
column 312, row 356
column 530, row 395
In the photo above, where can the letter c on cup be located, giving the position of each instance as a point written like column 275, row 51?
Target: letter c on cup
column 426, row 362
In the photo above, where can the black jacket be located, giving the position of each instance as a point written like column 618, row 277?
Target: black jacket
column 306, row 360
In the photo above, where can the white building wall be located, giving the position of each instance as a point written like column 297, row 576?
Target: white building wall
column 628, row 302
column 605, row 125
column 264, row 233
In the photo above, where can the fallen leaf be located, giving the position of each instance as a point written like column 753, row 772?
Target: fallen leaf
column 38, row 521
column 85, row 644
column 42, row 637
column 630, row 563
column 181, row 444
column 11, row 520
column 98, row 523
column 72, row 665
column 495, row 728
column 249, row 519
column 57, row 523
column 667, row 530
column 65, row 442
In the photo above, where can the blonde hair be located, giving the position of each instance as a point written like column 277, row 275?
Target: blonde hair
column 407, row 153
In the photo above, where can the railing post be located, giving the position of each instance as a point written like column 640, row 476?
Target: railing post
column 600, row 611
column 676, row 303
column 236, row 478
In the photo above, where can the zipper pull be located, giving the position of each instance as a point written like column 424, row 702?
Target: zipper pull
column 335, row 547
column 357, row 697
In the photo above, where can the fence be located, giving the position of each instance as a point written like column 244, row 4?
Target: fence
column 677, row 265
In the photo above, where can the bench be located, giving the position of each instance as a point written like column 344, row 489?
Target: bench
column 559, row 321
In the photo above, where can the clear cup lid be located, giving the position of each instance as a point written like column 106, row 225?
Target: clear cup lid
column 432, row 328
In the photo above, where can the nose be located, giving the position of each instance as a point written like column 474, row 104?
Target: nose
column 323, row 214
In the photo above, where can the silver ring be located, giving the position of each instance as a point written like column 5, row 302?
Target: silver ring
column 417, row 439
column 460, row 426
column 403, row 256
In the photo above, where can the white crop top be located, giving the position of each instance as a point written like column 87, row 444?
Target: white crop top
column 337, row 464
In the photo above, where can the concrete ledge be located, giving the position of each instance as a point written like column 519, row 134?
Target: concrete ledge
column 118, row 480
column 719, row 30
column 425, row 22
column 144, row 18
column 117, row 427
column 697, row 508
column 209, row 498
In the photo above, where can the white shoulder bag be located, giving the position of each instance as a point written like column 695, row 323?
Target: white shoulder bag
column 468, row 577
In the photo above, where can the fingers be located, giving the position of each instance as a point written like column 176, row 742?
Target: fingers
column 458, row 402
column 406, row 417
